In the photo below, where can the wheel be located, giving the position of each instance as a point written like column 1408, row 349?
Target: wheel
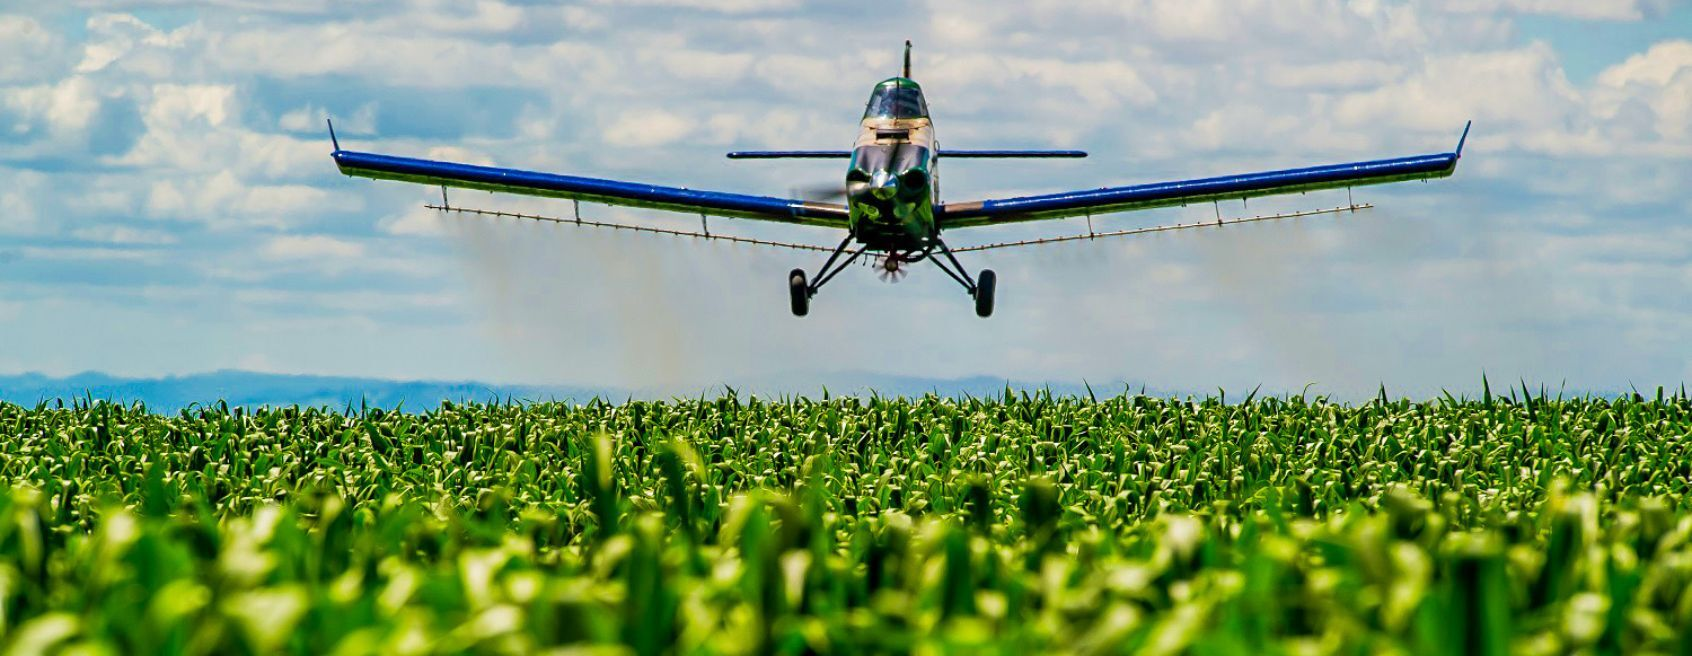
column 799, row 292
column 984, row 285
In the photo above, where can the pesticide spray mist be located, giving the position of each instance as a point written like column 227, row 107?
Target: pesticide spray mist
column 579, row 305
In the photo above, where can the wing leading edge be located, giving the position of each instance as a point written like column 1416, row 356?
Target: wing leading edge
column 1167, row 194
column 595, row 190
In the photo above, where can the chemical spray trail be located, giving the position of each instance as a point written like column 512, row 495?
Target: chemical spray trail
column 1262, row 273
column 569, row 304
column 557, row 296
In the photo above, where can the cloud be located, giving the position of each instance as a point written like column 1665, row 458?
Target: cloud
column 646, row 128
column 226, row 201
column 314, row 119
column 28, row 50
column 180, row 105
column 1341, row 75
column 722, row 6
column 307, row 7
column 310, row 247
column 18, row 193
column 1654, row 86
column 1623, row 10
column 1522, row 90
column 124, row 235
column 417, row 222
column 67, row 106
column 1659, row 66
column 203, row 145
column 1100, row 84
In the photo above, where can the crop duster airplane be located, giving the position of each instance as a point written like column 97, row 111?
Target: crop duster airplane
column 892, row 206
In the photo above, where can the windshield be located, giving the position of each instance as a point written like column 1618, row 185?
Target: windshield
column 896, row 101
column 895, row 159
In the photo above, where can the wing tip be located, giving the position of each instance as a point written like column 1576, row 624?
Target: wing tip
column 1461, row 141
column 332, row 138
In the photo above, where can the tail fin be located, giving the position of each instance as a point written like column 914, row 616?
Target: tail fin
column 907, row 59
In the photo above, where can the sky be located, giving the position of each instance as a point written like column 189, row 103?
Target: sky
column 168, row 204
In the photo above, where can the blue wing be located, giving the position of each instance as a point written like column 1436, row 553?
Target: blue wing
column 610, row 192
column 1166, row 194
column 1013, row 154
column 790, row 154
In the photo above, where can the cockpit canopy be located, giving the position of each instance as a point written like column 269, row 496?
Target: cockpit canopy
column 897, row 98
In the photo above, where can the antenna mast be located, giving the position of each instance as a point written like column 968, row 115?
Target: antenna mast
column 907, row 59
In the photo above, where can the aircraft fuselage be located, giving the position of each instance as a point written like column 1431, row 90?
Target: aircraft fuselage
column 892, row 183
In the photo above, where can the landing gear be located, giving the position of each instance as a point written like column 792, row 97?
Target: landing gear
column 981, row 289
column 799, row 292
column 984, row 285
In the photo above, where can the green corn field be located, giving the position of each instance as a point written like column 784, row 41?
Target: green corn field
column 1518, row 524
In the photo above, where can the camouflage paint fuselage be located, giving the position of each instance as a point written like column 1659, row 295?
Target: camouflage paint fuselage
column 892, row 183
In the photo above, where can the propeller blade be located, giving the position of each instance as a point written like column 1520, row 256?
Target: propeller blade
column 891, row 269
column 821, row 193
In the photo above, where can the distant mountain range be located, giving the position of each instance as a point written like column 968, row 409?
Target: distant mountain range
column 251, row 389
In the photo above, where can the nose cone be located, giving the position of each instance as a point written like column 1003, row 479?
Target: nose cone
column 884, row 185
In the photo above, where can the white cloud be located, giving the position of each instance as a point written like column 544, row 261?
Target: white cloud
column 18, row 193
column 1626, row 10
column 119, row 33
column 293, row 7
column 124, row 42
column 1658, row 66
column 1656, row 86
column 646, row 128
column 124, row 235
column 26, row 48
column 1521, row 95
column 232, row 107
column 310, row 247
column 459, row 154
column 1341, row 75
column 66, row 106
column 175, row 106
column 435, row 61
column 705, row 66
column 1100, row 84
column 483, row 16
column 226, row 201
column 722, row 6
column 312, row 118
column 98, row 254
column 417, row 222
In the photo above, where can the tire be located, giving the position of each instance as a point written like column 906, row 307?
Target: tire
column 799, row 292
column 984, row 287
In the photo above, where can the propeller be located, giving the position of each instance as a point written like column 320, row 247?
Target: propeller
column 820, row 193
column 891, row 268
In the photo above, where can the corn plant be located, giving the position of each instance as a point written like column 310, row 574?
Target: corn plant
column 1019, row 524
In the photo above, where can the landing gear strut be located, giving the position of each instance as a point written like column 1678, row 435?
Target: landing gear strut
column 800, row 289
column 981, row 289
column 800, row 292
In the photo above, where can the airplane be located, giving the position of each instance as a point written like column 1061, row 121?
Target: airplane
column 892, row 192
